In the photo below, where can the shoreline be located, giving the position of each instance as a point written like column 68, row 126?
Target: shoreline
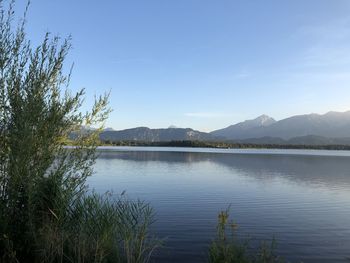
column 227, row 145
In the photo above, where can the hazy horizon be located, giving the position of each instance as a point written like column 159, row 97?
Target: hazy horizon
column 204, row 64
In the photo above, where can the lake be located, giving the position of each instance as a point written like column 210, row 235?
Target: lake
column 299, row 197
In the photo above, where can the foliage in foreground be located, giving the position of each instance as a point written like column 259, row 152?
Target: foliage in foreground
column 100, row 229
column 46, row 213
column 226, row 248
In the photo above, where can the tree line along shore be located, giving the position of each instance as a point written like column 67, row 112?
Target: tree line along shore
column 221, row 145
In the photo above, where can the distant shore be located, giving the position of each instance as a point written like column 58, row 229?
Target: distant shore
column 224, row 145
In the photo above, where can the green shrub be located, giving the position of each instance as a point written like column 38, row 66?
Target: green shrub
column 227, row 248
column 46, row 213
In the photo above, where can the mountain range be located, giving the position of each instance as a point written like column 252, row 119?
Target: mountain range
column 155, row 135
column 314, row 129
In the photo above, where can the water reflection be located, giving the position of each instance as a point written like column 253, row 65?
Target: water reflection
column 328, row 171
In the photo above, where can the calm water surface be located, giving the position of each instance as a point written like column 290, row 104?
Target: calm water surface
column 300, row 197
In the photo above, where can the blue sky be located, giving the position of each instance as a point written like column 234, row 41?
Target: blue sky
column 204, row 64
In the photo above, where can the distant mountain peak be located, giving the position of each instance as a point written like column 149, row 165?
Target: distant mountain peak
column 264, row 116
column 261, row 121
column 264, row 120
column 240, row 129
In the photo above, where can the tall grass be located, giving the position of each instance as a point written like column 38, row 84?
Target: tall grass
column 100, row 229
column 96, row 228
